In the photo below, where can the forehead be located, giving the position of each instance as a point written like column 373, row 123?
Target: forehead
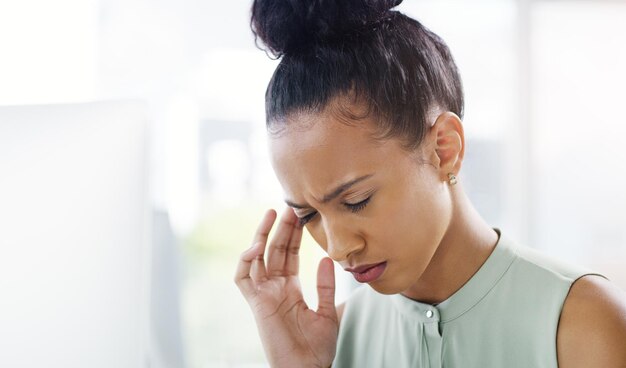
column 317, row 151
column 320, row 131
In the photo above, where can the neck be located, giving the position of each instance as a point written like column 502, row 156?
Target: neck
column 465, row 246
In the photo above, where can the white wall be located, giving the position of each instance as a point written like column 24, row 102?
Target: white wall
column 49, row 51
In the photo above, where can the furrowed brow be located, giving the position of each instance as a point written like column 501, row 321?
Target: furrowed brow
column 343, row 187
column 333, row 193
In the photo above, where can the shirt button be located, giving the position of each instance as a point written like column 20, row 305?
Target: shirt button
column 429, row 314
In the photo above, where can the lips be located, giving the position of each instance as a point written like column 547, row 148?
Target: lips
column 368, row 273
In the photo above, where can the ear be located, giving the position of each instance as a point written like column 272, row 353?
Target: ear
column 449, row 142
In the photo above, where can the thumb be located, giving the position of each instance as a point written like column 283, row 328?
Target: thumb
column 326, row 289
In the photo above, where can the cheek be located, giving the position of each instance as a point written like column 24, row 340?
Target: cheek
column 415, row 223
column 317, row 233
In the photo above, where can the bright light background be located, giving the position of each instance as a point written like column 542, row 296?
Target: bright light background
column 545, row 159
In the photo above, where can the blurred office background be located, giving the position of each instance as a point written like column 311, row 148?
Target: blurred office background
column 545, row 160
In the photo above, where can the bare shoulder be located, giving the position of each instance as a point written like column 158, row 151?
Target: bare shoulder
column 592, row 327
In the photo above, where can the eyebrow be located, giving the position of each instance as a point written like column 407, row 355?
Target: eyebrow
column 333, row 193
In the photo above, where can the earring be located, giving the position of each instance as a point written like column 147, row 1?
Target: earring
column 452, row 179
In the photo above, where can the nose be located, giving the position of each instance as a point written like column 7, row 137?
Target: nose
column 342, row 239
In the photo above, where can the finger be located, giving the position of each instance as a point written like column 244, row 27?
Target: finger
column 326, row 289
column 263, row 231
column 258, row 272
column 292, row 263
column 279, row 245
column 242, row 274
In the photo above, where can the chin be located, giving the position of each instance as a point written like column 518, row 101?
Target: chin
column 386, row 288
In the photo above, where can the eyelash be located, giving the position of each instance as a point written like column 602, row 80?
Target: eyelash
column 353, row 207
column 303, row 220
column 356, row 207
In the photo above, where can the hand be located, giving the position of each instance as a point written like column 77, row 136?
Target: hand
column 292, row 334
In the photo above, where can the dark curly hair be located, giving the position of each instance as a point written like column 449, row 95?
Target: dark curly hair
column 360, row 49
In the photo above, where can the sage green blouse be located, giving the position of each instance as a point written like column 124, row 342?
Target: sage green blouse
column 505, row 316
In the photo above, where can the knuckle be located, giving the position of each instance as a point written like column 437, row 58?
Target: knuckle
column 281, row 247
column 238, row 282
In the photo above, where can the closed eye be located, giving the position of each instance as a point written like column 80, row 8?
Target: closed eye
column 353, row 207
column 303, row 220
column 356, row 207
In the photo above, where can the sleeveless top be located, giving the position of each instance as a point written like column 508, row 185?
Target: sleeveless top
column 505, row 316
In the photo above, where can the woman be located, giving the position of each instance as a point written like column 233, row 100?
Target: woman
column 364, row 116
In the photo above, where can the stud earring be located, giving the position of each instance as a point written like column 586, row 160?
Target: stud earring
column 452, row 179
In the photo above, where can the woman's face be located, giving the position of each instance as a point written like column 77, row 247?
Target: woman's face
column 366, row 202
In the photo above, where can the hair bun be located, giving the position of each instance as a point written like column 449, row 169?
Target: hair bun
column 287, row 25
